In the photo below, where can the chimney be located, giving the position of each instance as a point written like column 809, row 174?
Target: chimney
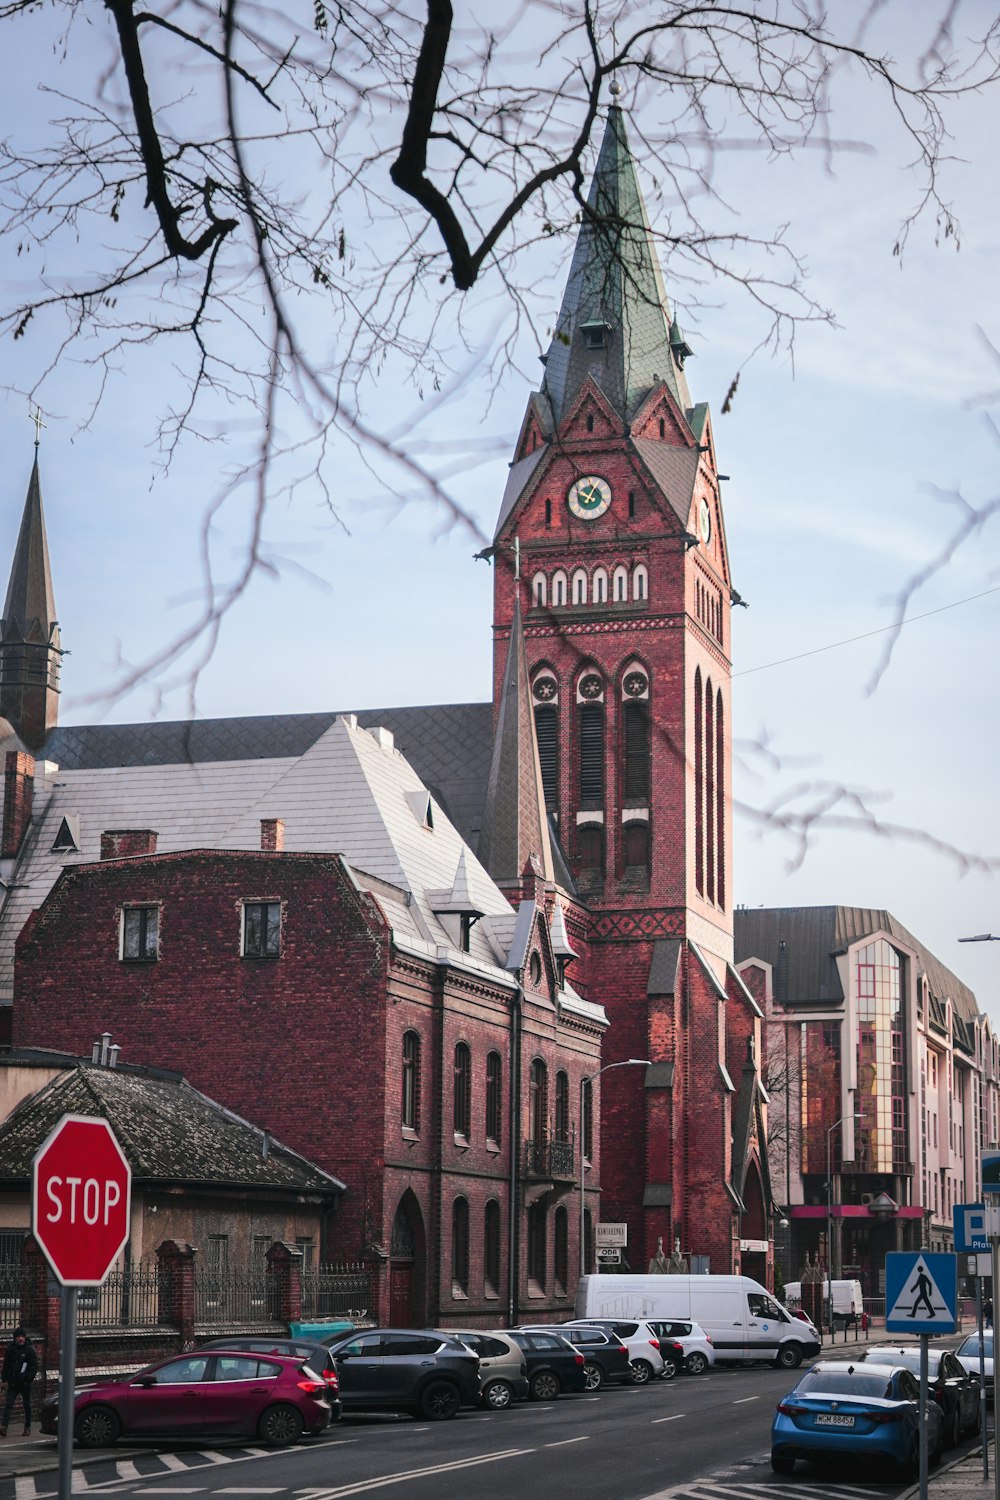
column 18, row 791
column 126, row 843
column 272, row 835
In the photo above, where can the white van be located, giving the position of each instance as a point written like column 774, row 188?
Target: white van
column 848, row 1301
column 739, row 1315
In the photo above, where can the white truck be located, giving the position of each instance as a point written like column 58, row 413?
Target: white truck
column 740, row 1316
column 848, row 1301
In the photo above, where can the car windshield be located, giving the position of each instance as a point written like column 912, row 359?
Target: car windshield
column 969, row 1349
column 859, row 1383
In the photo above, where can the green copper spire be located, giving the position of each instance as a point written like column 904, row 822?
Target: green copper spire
column 614, row 323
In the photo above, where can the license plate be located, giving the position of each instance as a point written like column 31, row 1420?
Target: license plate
column 832, row 1419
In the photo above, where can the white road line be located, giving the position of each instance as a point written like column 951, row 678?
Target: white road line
column 657, row 1420
column 163, row 1490
column 24, row 1487
column 401, row 1478
column 172, row 1462
column 236, row 1489
column 564, row 1442
column 126, row 1469
column 215, row 1458
column 744, row 1399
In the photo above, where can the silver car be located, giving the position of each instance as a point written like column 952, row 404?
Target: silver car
column 503, row 1369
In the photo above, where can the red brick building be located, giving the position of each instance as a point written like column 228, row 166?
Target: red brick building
column 529, row 871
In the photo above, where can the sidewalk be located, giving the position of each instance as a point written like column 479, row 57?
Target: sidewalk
column 962, row 1479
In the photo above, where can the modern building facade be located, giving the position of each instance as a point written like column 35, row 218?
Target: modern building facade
column 883, row 1085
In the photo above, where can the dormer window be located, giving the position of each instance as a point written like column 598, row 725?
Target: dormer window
column 596, row 335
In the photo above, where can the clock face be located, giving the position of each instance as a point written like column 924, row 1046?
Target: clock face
column 589, row 498
column 705, row 522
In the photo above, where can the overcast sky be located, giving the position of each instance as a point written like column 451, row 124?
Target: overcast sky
column 837, row 463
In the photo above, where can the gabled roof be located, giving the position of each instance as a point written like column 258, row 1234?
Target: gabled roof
column 805, row 967
column 674, row 470
column 614, row 282
column 518, row 478
column 168, row 1131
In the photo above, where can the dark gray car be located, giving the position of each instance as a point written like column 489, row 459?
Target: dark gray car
column 413, row 1370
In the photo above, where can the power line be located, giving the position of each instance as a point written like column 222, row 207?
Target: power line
column 834, row 645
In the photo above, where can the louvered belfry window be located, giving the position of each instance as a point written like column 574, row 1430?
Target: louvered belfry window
column 547, row 735
column 591, row 755
column 636, row 754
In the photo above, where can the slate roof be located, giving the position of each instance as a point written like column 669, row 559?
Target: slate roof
column 517, row 480
column 805, row 972
column 168, row 1131
column 674, row 470
column 614, row 279
column 30, row 600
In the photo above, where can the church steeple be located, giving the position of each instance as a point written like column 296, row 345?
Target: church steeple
column 30, row 649
column 615, row 323
column 514, row 822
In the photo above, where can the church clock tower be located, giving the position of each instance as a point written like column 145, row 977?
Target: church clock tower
column 610, row 547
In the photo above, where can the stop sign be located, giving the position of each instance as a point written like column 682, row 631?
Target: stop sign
column 81, row 1198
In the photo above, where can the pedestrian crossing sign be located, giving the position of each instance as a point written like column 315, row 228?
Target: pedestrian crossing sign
column 921, row 1292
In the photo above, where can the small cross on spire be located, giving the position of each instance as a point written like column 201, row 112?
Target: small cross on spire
column 517, row 558
column 36, row 417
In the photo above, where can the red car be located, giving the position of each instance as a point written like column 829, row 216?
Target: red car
column 273, row 1397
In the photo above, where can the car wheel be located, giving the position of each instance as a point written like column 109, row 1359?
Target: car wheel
column 642, row 1371
column 782, row 1463
column 696, row 1363
column 670, row 1367
column 953, row 1429
column 497, row 1395
column 789, row 1357
column 593, row 1376
column 97, row 1427
column 439, row 1401
column 280, row 1426
column 545, row 1386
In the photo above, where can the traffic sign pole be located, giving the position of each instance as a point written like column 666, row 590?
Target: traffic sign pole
column 924, row 1346
column 67, row 1387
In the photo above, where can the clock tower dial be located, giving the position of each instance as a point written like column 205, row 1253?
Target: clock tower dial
column 589, row 498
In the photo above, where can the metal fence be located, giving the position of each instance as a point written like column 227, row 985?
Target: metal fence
column 126, row 1299
column 337, row 1291
column 235, row 1297
column 12, row 1285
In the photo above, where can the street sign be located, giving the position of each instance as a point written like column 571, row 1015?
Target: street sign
column 608, row 1256
column 81, row 1199
column 971, row 1236
column 610, row 1234
column 991, row 1172
column 921, row 1292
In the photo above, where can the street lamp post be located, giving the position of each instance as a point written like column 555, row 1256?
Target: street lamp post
column 629, row 1062
column 829, row 1216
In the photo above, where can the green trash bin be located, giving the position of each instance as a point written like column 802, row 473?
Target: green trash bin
column 320, row 1333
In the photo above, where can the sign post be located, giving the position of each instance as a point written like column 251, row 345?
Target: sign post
column 921, row 1296
column 81, row 1199
column 972, row 1239
column 990, row 1172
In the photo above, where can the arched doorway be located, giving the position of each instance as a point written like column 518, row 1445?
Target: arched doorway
column 407, row 1281
column 753, row 1227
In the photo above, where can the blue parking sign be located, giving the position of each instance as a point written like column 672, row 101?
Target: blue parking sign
column 971, row 1237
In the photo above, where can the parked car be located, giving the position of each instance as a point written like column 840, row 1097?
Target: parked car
column 206, row 1394
column 642, row 1343
column 316, row 1356
column 953, row 1388
column 867, row 1411
column 503, row 1369
column 967, row 1355
column 697, row 1349
column 554, row 1364
column 413, row 1370
column 605, row 1355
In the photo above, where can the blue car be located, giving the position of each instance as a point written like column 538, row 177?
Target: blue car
column 861, row 1411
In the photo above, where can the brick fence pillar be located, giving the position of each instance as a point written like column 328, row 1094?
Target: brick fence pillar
column 284, row 1266
column 40, row 1307
column 175, row 1260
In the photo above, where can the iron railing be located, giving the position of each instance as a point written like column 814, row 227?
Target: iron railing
column 235, row 1297
column 12, row 1290
column 555, row 1160
column 128, row 1298
column 343, row 1291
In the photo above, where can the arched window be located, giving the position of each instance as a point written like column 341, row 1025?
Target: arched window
column 562, row 1249
column 709, row 798
column 562, row 1107
column 699, row 789
column 463, row 1091
column 547, row 736
column 538, row 1102
column 537, row 1235
column 590, row 696
column 590, row 847
column 539, row 590
column 587, row 1120
column 640, row 581
column 579, row 587
column 635, row 779
column 410, row 1104
column 494, row 1098
column 720, row 801
column 460, row 1248
column 559, row 588
column 601, row 586
column 491, row 1248
column 635, row 844
column 620, row 585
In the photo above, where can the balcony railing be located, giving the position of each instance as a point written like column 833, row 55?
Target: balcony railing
column 553, row 1160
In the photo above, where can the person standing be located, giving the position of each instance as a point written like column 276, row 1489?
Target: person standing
column 20, row 1366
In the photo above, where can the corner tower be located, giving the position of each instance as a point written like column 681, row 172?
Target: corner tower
column 611, row 544
column 30, row 650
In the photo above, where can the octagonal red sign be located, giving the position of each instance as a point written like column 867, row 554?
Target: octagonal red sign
column 81, row 1199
